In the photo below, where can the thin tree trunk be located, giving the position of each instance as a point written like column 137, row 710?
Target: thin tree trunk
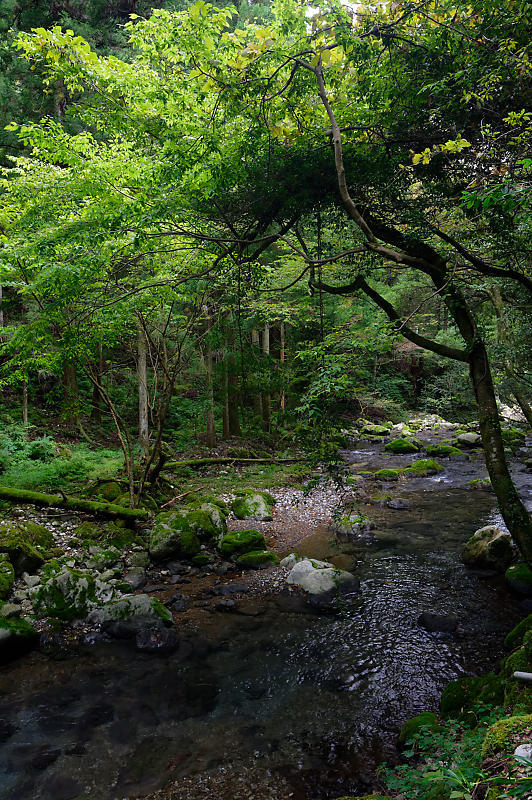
column 70, row 389
column 25, row 402
column 283, row 356
column 266, row 400
column 96, row 411
column 142, row 350
column 233, row 393
column 211, row 428
column 226, row 431
column 257, row 397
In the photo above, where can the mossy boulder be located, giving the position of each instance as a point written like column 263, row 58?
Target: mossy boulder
column 7, row 576
column 109, row 491
column 423, row 468
column 387, row 474
column 504, row 735
column 253, row 505
column 515, row 637
column 519, row 579
column 216, row 516
column 461, row 695
column 488, row 548
column 17, row 637
column 411, row 727
column 400, row 446
column 518, row 661
column 239, row 542
column 198, row 498
column 352, row 524
column 112, row 533
column 481, row 484
column 175, row 534
column 443, row 450
column 70, row 594
column 257, row 558
column 128, row 606
column 26, row 543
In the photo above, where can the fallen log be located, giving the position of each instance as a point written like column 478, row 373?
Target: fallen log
column 205, row 462
column 109, row 510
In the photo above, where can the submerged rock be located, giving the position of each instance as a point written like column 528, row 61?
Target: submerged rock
column 158, row 639
column 318, row 577
column 254, row 505
column 438, row 623
column 488, row 548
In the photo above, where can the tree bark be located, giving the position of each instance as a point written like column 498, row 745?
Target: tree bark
column 226, row 431
column 96, row 411
column 257, row 397
column 283, row 357
column 233, row 392
column 266, row 400
column 142, row 350
column 70, row 389
column 211, row 428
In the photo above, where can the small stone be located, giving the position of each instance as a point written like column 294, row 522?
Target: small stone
column 9, row 610
column 30, row 580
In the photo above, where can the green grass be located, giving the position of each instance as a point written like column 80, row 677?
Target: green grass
column 72, row 470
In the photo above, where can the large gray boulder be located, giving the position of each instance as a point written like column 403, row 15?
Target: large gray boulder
column 318, row 577
column 489, row 548
column 70, row 594
column 470, row 439
column 129, row 606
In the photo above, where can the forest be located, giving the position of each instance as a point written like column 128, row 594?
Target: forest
column 265, row 400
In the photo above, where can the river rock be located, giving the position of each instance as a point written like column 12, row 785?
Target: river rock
column 488, row 548
column 317, row 577
column 128, row 607
column 438, row 623
column 136, row 577
column 157, row 639
column 469, row 439
column 17, row 637
column 70, row 594
column 216, row 516
column 31, row 580
column 176, row 534
column 399, row 504
column 254, row 505
column 235, row 543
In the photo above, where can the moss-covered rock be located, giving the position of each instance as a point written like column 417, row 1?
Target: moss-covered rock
column 411, row 727
column 239, row 542
column 387, row 474
column 70, row 594
column 201, row 559
column 423, row 468
column 26, row 543
column 7, row 576
column 461, row 695
column 112, row 533
column 443, row 450
column 109, row 491
column 198, row 498
column 400, row 446
column 17, row 637
column 128, row 606
column 216, row 516
column 519, row 579
column 257, row 558
column 488, row 548
column 503, row 735
column 515, row 637
column 518, row 661
column 481, row 484
column 175, row 534
column 253, row 505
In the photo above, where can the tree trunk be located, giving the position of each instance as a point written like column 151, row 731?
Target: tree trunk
column 257, row 397
column 283, row 356
column 96, row 411
column 211, row 429
column 513, row 511
column 109, row 510
column 25, row 402
column 266, row 400
column 226, row 431
column 70, row 389
column 142, row 350
column 233, row 392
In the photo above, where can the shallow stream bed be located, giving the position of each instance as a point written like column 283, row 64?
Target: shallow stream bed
column 278, row 704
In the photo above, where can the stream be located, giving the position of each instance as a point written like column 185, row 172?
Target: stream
column 313, row 701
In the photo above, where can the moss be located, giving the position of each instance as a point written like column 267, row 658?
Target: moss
column 199, row 498
column 399, row 446
column 515, row 637
column 109, row 491
column 257, row 558
column 161, row 611
column 67, row 595
column 201, row 559
column 7, row 576
column 519, row 578
column 238, row 542
column 500, row 738
column 26, row 543
column 387, row 474
column 461, row 695
column 18, row 626
column 423, row 467
column 518, row 661
column 443, row 450
column 174, row 534
column 268, row 498
column 480, row 483
column 411, row 727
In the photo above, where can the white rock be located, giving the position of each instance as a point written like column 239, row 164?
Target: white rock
column 316, row 577
column 470, row 439
column 290, row 561
column 524, row 751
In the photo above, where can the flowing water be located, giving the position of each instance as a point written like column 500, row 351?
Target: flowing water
column 317, row 700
